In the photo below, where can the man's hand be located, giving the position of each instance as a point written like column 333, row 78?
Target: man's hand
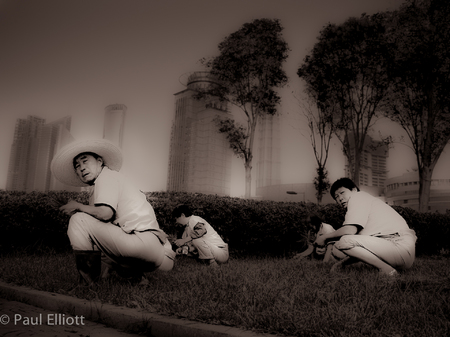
column 320, row 241
column 71, row 207
column 182, row 242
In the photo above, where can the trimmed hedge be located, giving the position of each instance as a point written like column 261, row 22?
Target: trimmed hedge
column 32, row 221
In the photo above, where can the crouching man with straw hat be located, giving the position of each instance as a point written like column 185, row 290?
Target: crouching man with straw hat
column 118, row 227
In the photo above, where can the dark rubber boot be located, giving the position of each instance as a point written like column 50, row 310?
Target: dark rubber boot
column 88, row 265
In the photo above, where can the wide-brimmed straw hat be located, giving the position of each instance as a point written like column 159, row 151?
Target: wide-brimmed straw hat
column 62, row 163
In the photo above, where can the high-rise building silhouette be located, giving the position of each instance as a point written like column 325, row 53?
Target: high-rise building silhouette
column 114, row 123
column 267, row 154
column 200, row 156
column 373, row 169
column 34, row 145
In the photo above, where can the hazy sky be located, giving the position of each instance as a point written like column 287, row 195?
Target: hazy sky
column 75, row 57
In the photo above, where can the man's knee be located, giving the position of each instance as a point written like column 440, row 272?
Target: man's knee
column 79, row 221
column 346, row 242
column 337, row 253
column 80, row 218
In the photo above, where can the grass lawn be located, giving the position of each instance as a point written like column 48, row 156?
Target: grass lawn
column 272, row 295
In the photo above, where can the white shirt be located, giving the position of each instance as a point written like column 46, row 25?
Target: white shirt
column 132, row 210
column 210, row 236
column 373, row 215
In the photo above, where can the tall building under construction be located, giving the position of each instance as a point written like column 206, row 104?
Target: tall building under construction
column 200, row 156
column 34, row 145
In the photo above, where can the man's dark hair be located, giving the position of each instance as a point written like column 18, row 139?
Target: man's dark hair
column 342, row 182
column 95, row 155
column 181, row 209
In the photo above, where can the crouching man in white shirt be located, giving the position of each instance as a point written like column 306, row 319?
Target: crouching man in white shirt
column 118, row 227
column 372, row 232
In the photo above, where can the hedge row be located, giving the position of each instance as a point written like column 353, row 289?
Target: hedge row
column 33, row 221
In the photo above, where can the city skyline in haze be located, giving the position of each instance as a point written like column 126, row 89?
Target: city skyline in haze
column 74, row 58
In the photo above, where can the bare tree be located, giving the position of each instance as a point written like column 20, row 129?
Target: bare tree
column 321, row 129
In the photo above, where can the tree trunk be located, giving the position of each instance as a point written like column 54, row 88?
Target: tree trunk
column 321, row 182
column 426, row 167
column 319, row 198
column 249, row 158
column 356, row 168
column 425, row 174
column 354, row 164
column 248, row 179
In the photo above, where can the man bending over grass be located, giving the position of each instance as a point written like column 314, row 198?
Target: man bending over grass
column 372, row 232
column 200, row 237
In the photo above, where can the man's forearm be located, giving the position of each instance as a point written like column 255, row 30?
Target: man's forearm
column 103, row 213
column 344, row 230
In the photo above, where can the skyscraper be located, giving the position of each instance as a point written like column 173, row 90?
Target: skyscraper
column 200, row 157
column 373, row 169
column 267, row 154
column 114, row 123
column 22, row 161
column 34, row 145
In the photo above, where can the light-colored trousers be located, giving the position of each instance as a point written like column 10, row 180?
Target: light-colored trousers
column 399, row 250
column 207, row 251
column 141, row 250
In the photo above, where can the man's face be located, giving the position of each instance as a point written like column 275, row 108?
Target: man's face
column 343, row 195
column 88, row 168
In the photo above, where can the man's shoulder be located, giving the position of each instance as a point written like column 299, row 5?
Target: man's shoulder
column 108, row 177
column 107, row 173
column 364, row 196
column 195, row 219
column 360, row 196
column 368, row 200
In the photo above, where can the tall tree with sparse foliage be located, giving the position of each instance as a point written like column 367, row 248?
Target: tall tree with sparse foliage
column 321, row 128
column 249, row 69
column 346, row 72
column 420, row 74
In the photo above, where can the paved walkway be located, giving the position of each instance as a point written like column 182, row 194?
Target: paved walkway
column 28, row 312
column 20, row 319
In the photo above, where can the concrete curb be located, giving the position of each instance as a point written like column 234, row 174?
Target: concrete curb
column 119, row 317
